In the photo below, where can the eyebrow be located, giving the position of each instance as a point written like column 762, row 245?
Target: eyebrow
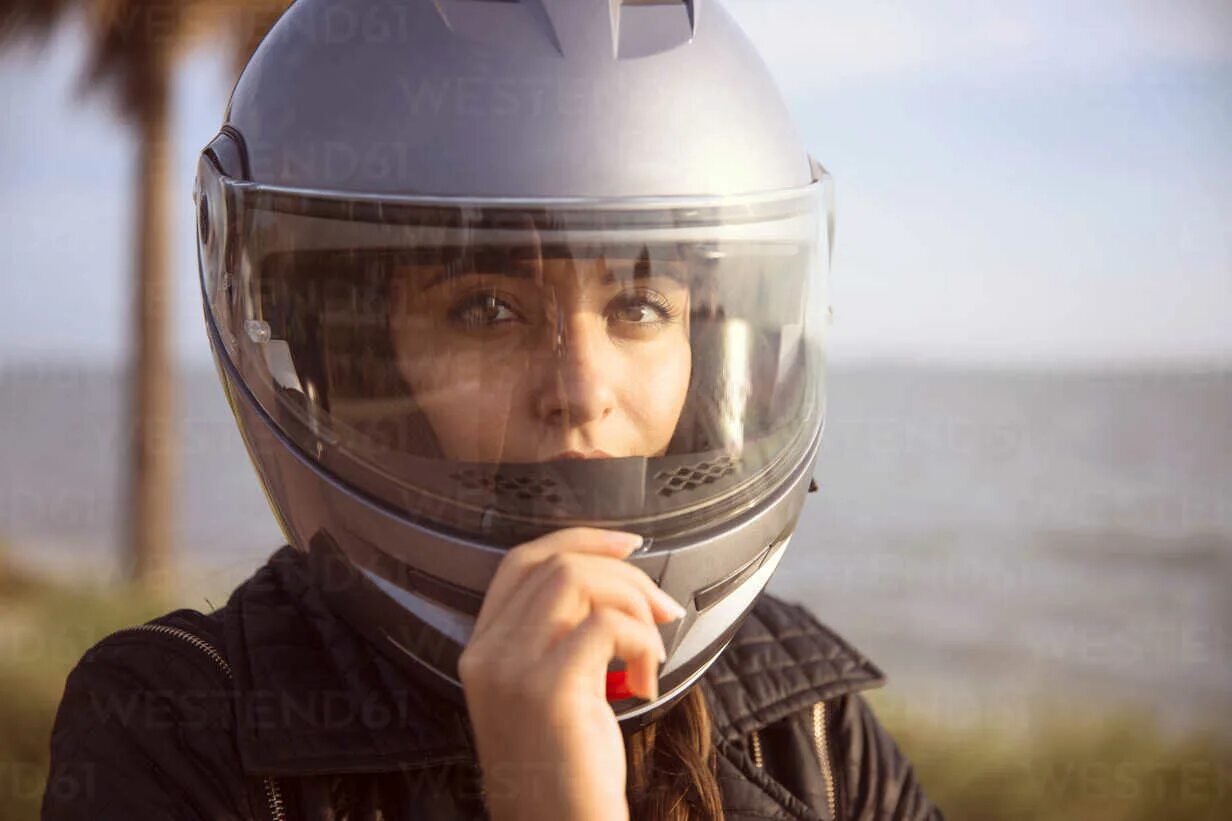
column 511, row 263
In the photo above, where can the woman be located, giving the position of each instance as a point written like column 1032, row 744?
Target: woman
column 520, row 309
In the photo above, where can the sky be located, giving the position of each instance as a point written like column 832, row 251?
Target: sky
column 1042, row 184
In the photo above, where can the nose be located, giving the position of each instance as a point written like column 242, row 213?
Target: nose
column 576, row 382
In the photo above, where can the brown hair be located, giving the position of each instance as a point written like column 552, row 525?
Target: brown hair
column 671, row 766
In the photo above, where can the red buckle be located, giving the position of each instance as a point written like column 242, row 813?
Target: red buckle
column 618, row 685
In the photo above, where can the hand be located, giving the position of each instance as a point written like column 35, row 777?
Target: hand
column 534, row 673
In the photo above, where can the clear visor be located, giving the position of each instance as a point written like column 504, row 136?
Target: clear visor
column 503, row 368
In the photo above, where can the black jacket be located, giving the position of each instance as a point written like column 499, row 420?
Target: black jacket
column 271, row 707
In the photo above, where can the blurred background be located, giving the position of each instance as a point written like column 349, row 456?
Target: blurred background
column 1025, row 514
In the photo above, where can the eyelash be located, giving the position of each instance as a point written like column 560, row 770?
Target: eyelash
column 654, row 300
column 478, row 301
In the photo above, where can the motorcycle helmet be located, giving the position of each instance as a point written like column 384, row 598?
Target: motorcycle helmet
column 452, row 249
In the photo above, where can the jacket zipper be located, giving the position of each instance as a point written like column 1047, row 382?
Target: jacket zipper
column 272, row 793
column 823, row 754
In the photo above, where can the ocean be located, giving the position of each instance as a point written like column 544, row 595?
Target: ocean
column 997, row 542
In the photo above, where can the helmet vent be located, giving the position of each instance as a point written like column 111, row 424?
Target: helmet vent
column 507, row 23
column 691, row 477
column 524, row 488
column 646, row 27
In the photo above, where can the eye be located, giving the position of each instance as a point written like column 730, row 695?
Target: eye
column 638, row 313
column 641, row 308
column 483, row 310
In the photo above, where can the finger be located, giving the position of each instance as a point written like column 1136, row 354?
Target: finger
column 596, row 575
column 581, row 658
column 664, row 607
column 521, row 560
column 562, row 591
column 589, row 540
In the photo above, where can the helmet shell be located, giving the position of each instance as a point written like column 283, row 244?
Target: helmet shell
column 526, row 99
column 487, row 101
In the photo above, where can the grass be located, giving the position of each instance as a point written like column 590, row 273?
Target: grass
column 1063, row 763
column 1068, row 765
column 44, row 630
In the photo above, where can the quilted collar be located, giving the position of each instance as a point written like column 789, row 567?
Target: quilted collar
column 312, row 697
column 781, row 661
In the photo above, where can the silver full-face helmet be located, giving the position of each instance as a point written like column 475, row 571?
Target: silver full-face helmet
column 449, row 249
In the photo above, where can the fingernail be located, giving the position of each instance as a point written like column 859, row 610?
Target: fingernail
column 628, row 541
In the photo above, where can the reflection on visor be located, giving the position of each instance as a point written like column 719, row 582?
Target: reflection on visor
column 573, row 370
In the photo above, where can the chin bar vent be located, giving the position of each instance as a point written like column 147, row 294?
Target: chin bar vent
column 691, row 477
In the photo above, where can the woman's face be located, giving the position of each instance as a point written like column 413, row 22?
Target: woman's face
column 545, row 358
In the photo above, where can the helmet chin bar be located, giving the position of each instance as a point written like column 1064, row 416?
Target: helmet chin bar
column 698, row 637
column 420, row 634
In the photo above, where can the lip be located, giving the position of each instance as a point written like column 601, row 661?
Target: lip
column 577, row 454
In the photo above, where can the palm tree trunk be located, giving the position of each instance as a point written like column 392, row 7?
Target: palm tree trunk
column 154, row 455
